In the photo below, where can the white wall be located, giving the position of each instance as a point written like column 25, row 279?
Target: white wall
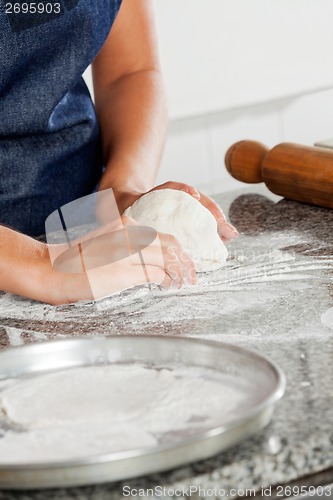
column 196, row 146
column 242, row 69
column 258, row 69
column 223, row 54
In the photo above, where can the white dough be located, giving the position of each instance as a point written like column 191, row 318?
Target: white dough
column 178, row 213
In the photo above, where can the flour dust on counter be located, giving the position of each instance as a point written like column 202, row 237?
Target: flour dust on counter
column 95, row 410
column 327, row 318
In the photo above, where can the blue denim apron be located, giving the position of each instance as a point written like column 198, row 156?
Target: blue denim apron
column 50, row 152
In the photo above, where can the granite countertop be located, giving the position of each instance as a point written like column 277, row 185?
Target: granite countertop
column 274, row 296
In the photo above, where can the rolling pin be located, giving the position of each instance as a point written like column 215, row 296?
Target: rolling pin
column 301, row 173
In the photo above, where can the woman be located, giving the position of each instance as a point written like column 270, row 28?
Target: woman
column 54, row 150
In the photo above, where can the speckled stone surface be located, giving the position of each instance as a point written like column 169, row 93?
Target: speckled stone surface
column 275, row 296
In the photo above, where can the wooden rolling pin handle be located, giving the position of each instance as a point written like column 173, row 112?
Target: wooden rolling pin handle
column 301, row 173
column 244, row 161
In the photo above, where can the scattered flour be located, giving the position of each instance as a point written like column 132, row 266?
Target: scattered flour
column 105, row 409
column 327, row 318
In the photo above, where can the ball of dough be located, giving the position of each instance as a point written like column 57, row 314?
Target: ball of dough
column 178, row 213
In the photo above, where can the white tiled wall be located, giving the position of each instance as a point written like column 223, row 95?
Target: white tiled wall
column 309, row 118
column 196, row 147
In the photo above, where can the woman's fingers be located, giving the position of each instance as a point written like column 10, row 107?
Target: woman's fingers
column 161, row 254
column 166, row 253
column 159, row 276
column 226, row 230
column 179, row 265
column 118, row 276
column 179, row 186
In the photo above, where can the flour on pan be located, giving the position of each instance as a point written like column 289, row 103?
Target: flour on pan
column 105, row 409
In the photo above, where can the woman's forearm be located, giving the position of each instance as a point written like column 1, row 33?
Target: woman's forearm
column 133, row 119
column 23, row 263
column 26, row 269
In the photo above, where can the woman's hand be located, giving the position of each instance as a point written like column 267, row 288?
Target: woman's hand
column 226, row 230
column 111, row 261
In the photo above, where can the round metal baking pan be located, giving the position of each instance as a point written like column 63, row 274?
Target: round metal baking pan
column 266, row 379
